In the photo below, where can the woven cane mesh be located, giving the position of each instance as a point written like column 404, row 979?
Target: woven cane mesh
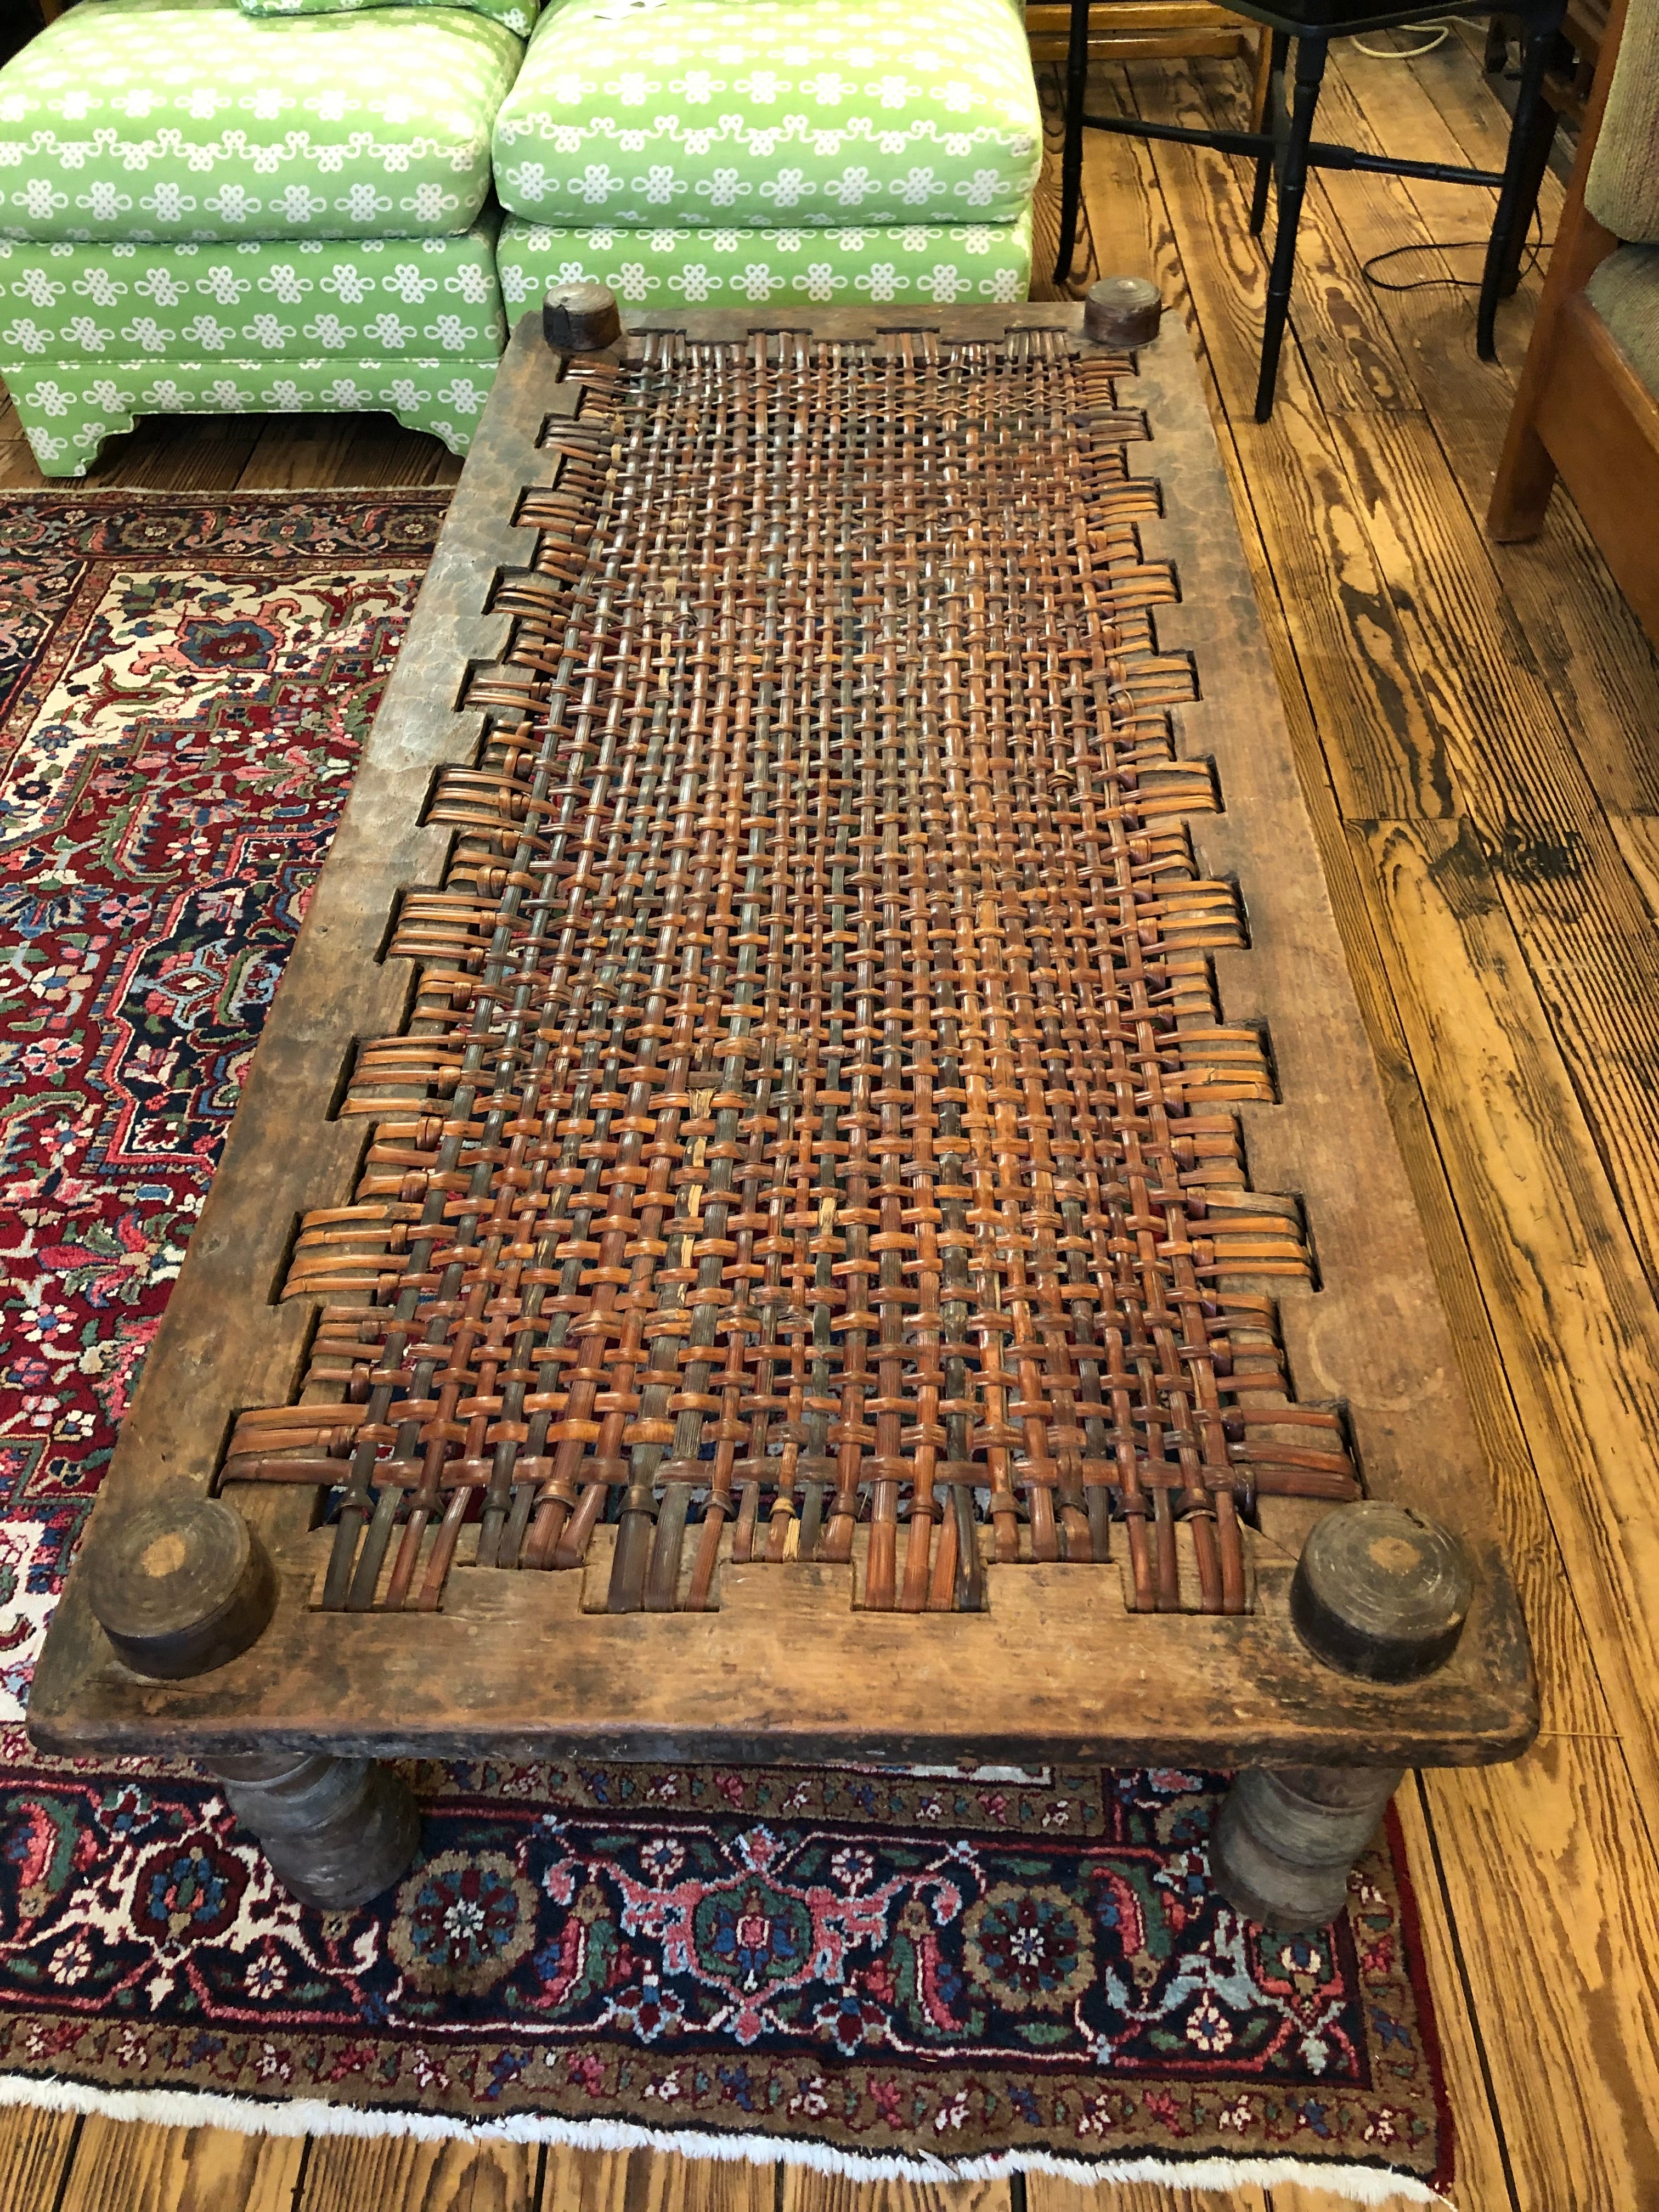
column 816, row 1136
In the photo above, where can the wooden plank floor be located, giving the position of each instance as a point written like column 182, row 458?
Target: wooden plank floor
column 1478, row 732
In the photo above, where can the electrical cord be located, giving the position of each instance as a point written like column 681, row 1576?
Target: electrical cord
column 1442, row 33
column 1537, row 246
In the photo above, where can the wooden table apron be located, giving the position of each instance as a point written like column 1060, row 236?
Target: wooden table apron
column 511, row 1664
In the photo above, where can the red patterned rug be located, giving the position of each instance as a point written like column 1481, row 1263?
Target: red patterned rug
column 890, row 1972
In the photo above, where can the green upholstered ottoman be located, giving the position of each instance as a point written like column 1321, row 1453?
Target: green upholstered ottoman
column 944, row 264
column 94, row 336
column 738, row 151
column 203, row 211
column 263, row 298
column 160, row 121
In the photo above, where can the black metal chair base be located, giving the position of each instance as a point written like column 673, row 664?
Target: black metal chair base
column 1286, row 150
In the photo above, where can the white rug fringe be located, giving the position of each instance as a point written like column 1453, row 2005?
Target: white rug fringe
column 193, row 2108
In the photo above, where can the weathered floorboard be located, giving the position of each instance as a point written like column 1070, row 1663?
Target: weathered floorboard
column 1559, row 605
column 1564, row 1969
column 352, row 2173
column 1344, row 623
column 652, row 2181
column 35, row 2150
column 1571, row 1304
column 311, row 453
column 1570, row 1692
column 805, row 2189
column 1044, row 2194
column 124, row 2165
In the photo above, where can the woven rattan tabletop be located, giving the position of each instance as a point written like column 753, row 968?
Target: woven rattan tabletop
column 815, row 1182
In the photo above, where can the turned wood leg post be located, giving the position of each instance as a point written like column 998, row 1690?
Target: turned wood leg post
column 1380, row 1592
column 337, row 1831
column 1287, row 1836
column 184, row 1585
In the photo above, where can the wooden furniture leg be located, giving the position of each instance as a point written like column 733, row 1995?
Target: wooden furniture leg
column 1381, row 1593
column 1261, row 78
column 1265, row 118
column 184, row 1586
column 1568, row 83
column 1287, row 1836
column 1310, row 51
column 1535, row 141
column 1526, row 470
column 1521, row 488
column 1075, row 32
column 1514, row 200
column 1071, row 156
column 337, row 1831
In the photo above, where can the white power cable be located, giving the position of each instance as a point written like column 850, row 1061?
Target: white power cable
column 1442, row 33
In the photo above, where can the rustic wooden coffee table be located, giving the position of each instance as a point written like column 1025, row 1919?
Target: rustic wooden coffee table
column 814, row 1187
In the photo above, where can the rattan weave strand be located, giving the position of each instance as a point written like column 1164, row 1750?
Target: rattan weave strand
column 815, row 1136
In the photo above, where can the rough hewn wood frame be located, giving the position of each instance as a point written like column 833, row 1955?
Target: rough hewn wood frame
column 513, row 1663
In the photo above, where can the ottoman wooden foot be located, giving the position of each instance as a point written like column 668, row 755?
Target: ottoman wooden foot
column 1287, row 1836
column 337, row 1831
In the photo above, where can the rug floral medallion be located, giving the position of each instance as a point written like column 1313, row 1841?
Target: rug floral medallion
column 892, row 1967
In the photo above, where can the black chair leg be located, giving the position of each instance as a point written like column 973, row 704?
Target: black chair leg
column 1292, row 181
column 1264, row 167
column 1504, row 248
column 1534, row 160
column 1070, row 157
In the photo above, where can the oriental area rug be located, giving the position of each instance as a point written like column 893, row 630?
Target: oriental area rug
column 889, row 1972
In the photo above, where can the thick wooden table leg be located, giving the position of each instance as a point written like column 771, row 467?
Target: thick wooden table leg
column 1287, row 1836
column 337, row 1831
column 1379, row 1592
column 184, row 1586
